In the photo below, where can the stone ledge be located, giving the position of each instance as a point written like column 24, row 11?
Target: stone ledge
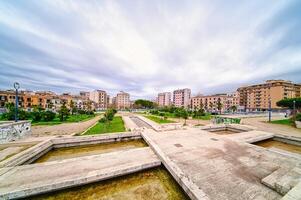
column 191, row 189
column 27, row 180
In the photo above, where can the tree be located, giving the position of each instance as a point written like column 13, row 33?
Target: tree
column 72, row 107
column 289, row 103
column 184, row 114
column 63, row 112
column 233, row 108
column 141, row 103
column 219, row 106
column 211, row 106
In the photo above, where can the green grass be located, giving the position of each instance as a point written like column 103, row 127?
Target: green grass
column 70, row 119
column 205, row 117
column 158, row 119
column 116, row 125
column 283, row 122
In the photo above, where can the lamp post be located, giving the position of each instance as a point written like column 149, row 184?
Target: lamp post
column 270, row 110
column 16, row 86
column 294, row 110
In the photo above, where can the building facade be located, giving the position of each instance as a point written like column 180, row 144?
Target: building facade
column 164, row 99
column 215, row 103
column 99, row 97
column 122, row 100
column 258, row 97
column 181, row 98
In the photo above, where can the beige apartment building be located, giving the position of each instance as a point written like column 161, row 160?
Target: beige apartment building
column 181, row 98
column 164, row 99
column 210, row 102
column 99, row 97
column 122, row 100
column 256, row 97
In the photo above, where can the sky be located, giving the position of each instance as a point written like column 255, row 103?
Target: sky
column 144, row 47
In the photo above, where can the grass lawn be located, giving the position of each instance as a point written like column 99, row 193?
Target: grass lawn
column 283, row 122
column 70, row 119
column 205, row 117
column 158, row 119
column 116, row 125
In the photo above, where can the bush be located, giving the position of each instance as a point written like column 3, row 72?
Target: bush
column 48, row 116
column 298, row 117
column 36, row 116
column 102, row 120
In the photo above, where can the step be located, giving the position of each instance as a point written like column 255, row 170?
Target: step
column 283, row 179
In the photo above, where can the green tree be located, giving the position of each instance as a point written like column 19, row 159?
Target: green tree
column 289, row 103
column 233, row 108
column 72, row 107
column 184, row 114
column 141, row 103
column 219, row 106
column 211, row 106
column 63, row 112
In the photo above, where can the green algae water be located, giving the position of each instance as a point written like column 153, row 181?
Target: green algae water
column 280, row 145
column 153, row 184
column 86, row 150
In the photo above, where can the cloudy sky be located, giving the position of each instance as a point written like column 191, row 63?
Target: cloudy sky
column 145, row 47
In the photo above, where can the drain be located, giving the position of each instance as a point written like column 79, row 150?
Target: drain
column 178, row 145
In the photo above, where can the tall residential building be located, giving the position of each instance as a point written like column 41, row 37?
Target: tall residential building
column 181, row 98
column 210, row 102
column 99, row 97
column 84, row 94
column 164, row 99
column 256, row 97
column 123, row 100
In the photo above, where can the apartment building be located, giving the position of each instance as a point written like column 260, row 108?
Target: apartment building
column 181, row 98
column 99, row 97
column 210, row 102
column 84, row 94
column 164, row 99
column 122, row 100
column 257, row 97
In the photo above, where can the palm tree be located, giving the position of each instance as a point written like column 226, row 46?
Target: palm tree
column 219, row 106
column 211, row 106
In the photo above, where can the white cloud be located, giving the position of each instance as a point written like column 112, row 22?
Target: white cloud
column 147, row 47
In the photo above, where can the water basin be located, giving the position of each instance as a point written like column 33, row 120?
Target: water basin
column 152, row 184
column 86, row 150
column 282, row 144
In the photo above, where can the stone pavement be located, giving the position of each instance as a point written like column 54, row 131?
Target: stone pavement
column 217, row 167
column 261, row 124
column 31, row 179
column 63, row 129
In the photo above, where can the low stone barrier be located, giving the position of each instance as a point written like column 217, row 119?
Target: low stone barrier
column 10, row 131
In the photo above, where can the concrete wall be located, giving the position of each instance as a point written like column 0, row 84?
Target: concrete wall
column 14, row 130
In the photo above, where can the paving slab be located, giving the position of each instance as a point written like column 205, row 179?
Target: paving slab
column 221, row 167
column 26, row 180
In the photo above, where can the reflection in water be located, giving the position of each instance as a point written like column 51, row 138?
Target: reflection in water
column 78, row 151
column 153, row 184
column 280, row 145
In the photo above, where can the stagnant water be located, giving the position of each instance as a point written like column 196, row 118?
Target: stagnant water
column 78, row 151
column 225, row 131
column 153, row 184
column 280, row 145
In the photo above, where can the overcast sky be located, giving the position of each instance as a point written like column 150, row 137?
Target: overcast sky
column 146, row 47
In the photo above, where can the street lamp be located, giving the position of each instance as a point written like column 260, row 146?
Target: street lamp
column 294, row 109
column 270, row 110
column 16, row 86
